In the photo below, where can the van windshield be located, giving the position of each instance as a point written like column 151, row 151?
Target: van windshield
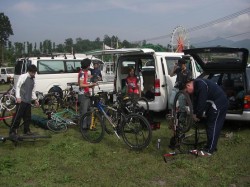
column 10, row 70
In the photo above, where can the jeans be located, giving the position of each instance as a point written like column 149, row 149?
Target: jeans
column 84, row 101
column 172, row 96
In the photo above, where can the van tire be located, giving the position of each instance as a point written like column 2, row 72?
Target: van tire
column 58, row 90
column 2, row 81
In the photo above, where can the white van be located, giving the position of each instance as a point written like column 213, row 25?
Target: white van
column 56, row 71
column 6, row 74
column 153, row 69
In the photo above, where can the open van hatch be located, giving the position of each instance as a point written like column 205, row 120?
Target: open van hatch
column 226, row 67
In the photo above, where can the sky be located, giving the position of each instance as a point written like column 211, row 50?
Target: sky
column 131, row 20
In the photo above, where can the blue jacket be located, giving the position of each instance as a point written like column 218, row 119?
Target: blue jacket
column 206, row 92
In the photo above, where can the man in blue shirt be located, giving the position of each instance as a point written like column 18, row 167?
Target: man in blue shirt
column 96, row 74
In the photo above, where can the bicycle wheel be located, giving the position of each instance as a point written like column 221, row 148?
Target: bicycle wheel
column 92, row 127
column 183, row 111
column 136, row 131
column 7, row 117
column 56, row 126
column 50, row 103
column 8, row 101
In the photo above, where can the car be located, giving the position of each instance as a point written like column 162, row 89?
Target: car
column 6, row 74
column 227, row 67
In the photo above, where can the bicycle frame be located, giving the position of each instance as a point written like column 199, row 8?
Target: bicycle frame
column 101, row 108
column 58, row 117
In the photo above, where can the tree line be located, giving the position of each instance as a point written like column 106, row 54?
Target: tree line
column 11, row 51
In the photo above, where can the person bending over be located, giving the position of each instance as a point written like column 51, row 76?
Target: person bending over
column 209, row 99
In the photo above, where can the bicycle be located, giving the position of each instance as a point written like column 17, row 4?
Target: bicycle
column 133, row 104
column 134, row 128
column 181, row 122
column 51, row 102
column 7, row 114
column 16, row 139
column 54, row 100
column 8, row 99
column 60, row 121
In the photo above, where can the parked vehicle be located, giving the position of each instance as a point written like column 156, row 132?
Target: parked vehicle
column 228, row 68
column 56, row 71
column 6, row 74
column 108, row 69
column 153, row 69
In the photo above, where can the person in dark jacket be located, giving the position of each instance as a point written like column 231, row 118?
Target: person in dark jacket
column 209, row 99
column 182, row 75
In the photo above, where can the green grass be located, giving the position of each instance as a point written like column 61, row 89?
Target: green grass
column 67, row 159
column 4, row 87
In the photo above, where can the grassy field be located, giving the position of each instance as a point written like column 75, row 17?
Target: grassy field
column 66, row 159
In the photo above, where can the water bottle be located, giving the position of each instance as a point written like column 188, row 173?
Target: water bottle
column 2, row 139
column 159, row 143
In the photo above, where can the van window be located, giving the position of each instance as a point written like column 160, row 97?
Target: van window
column 126, row 65
column 48, row 67
column 171, row 61
column 73, row 66
column 3, row 71
column 57, row 66
column 10, row 70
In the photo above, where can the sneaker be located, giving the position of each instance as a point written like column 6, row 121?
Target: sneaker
column 200, row 153
column 28, row 133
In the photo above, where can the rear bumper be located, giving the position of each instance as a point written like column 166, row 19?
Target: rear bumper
column 245, row 116
column 158, row 104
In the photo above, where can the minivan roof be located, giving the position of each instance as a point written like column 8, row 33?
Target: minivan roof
column 130, row 51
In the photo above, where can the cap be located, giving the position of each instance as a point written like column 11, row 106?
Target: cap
column 85, row 63
column 181, row 61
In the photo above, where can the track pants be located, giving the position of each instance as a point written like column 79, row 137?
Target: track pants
column 23, row 111
column 214, row 124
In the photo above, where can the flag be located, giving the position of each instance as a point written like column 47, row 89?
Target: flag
column 107, row 47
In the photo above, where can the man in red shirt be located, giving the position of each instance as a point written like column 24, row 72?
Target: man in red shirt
column 84, row 86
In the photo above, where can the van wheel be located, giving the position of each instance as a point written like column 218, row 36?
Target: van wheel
column 2, row 81
column 57, row 89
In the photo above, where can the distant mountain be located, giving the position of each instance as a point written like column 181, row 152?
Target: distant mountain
column 243, row 43
column 221, row 42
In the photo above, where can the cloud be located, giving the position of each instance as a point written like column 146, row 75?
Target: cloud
column 25, row 7
column 237, row 25
column 148, row 6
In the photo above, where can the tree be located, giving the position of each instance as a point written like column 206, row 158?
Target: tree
column 68, row 45
column 18, row 49
column 5, row 32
